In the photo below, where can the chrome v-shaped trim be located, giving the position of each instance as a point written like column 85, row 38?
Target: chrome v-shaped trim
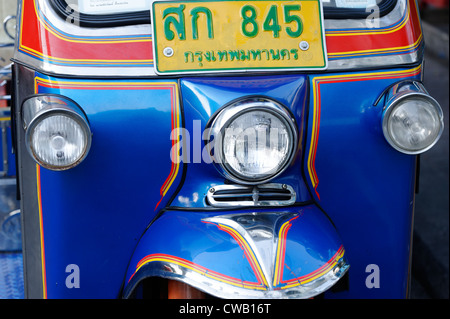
column 260, row 231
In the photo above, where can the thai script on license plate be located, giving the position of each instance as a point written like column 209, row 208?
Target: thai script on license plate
column 218, row 36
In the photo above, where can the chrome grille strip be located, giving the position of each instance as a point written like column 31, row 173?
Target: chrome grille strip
column 260, row 195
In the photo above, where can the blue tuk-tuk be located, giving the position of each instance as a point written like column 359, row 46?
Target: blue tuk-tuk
column 230, row 149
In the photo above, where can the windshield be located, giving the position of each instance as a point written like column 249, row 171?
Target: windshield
column 108, row 6
column 106, row 13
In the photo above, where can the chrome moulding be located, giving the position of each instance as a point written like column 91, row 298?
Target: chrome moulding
column 176, row 272
column 263, row 235
column 258, row 195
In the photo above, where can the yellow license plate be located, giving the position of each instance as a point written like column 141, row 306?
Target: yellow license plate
column 225, row 36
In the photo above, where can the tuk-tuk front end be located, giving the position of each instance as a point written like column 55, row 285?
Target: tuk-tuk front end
column 178, row 157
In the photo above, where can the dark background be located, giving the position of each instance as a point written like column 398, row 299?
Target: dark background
column 431, row 238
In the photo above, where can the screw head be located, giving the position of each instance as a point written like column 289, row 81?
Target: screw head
column 168, row 52
column 304, row 45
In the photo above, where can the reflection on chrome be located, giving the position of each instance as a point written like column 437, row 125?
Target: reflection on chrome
column 260, row 232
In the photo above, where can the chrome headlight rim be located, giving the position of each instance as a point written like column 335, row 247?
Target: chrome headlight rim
column 397, row 101
column 71, row 110
column 231, row 111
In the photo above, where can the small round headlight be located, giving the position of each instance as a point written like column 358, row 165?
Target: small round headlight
column 255, row 140
column 58, row 141
column 413, row 123
column 58, row 136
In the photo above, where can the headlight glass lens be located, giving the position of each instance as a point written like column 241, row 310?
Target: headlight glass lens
column 414, row 125
column 58, row 141
column 256, row 144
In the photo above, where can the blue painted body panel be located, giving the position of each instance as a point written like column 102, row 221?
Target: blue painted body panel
column 365, row 186
column 94, row 214
column 203, row 97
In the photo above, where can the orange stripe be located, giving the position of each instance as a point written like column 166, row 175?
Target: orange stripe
column 281, row 251
column 175, row 166
column 175, row 119
column 317, row 273
column 317, row 107
column 75, row 39
column 195, row 267
column 248, row 253
column 88, row 85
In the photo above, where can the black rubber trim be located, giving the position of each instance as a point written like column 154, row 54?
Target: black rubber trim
column 384, row 7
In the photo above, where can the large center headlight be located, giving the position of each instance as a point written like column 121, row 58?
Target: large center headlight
column 412, row 120
column 254, row 140
column 57, row 135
